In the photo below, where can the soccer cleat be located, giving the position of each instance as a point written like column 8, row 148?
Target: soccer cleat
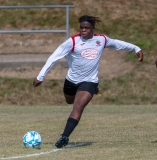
column 62, row 142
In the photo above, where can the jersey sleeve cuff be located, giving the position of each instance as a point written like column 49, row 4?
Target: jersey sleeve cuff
column 137, row 49
column 40, row 78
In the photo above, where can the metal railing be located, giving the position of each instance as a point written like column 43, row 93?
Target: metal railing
column 40, row 31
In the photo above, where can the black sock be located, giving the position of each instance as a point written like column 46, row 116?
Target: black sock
column 71, row 124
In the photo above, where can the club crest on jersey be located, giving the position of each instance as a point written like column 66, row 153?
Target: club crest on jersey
column 98, row 43
column 90, row 53
column 82, row 44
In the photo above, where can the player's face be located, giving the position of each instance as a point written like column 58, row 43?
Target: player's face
column 86, row 30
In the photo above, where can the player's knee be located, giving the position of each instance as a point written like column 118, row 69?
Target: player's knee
column 69, row 101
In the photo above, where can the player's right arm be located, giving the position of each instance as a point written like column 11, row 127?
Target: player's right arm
column 36, row 82
column 64, row 49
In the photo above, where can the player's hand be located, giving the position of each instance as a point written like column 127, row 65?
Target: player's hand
column 156, row 62
column 140, row 56
column 36, row 82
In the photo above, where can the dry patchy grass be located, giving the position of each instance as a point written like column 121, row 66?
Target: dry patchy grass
column 108, row 132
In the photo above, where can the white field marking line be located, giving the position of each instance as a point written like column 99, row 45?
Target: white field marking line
column 68, row 146
column 32, row 155
column 42, row 153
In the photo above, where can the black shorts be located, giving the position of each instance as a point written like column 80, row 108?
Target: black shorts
column 71, row 88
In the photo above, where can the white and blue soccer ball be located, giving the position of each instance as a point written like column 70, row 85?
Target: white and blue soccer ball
column 32, row 139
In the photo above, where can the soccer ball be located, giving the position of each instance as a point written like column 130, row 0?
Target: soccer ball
column 32, row 139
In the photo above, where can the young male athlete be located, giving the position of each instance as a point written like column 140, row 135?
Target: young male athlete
column 83, row 52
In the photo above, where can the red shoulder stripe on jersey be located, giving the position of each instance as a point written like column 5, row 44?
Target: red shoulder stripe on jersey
column 105, row 39
column 73, row 40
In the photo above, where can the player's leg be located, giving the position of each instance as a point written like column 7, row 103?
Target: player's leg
column 69, row 98
column 69, row 94
column 69, row 91
column 83, row 96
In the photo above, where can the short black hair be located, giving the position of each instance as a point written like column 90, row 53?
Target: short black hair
column 92, row 20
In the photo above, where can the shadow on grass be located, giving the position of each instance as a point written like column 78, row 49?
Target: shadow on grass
column 72, row 144
column 80, row 144
column 154, row 141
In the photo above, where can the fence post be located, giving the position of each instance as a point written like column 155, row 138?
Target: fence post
column 67, row 22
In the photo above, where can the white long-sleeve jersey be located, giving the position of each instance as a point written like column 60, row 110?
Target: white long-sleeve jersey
column 83, row 56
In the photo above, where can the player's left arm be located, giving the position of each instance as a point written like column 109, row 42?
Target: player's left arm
column 122, row 45
column 140, row 56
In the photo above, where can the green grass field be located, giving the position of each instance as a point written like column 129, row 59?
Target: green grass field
column 111, row 132
column 105, row 132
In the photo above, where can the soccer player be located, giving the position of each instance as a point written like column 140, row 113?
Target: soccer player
column 156, row 62
column 82, row 52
